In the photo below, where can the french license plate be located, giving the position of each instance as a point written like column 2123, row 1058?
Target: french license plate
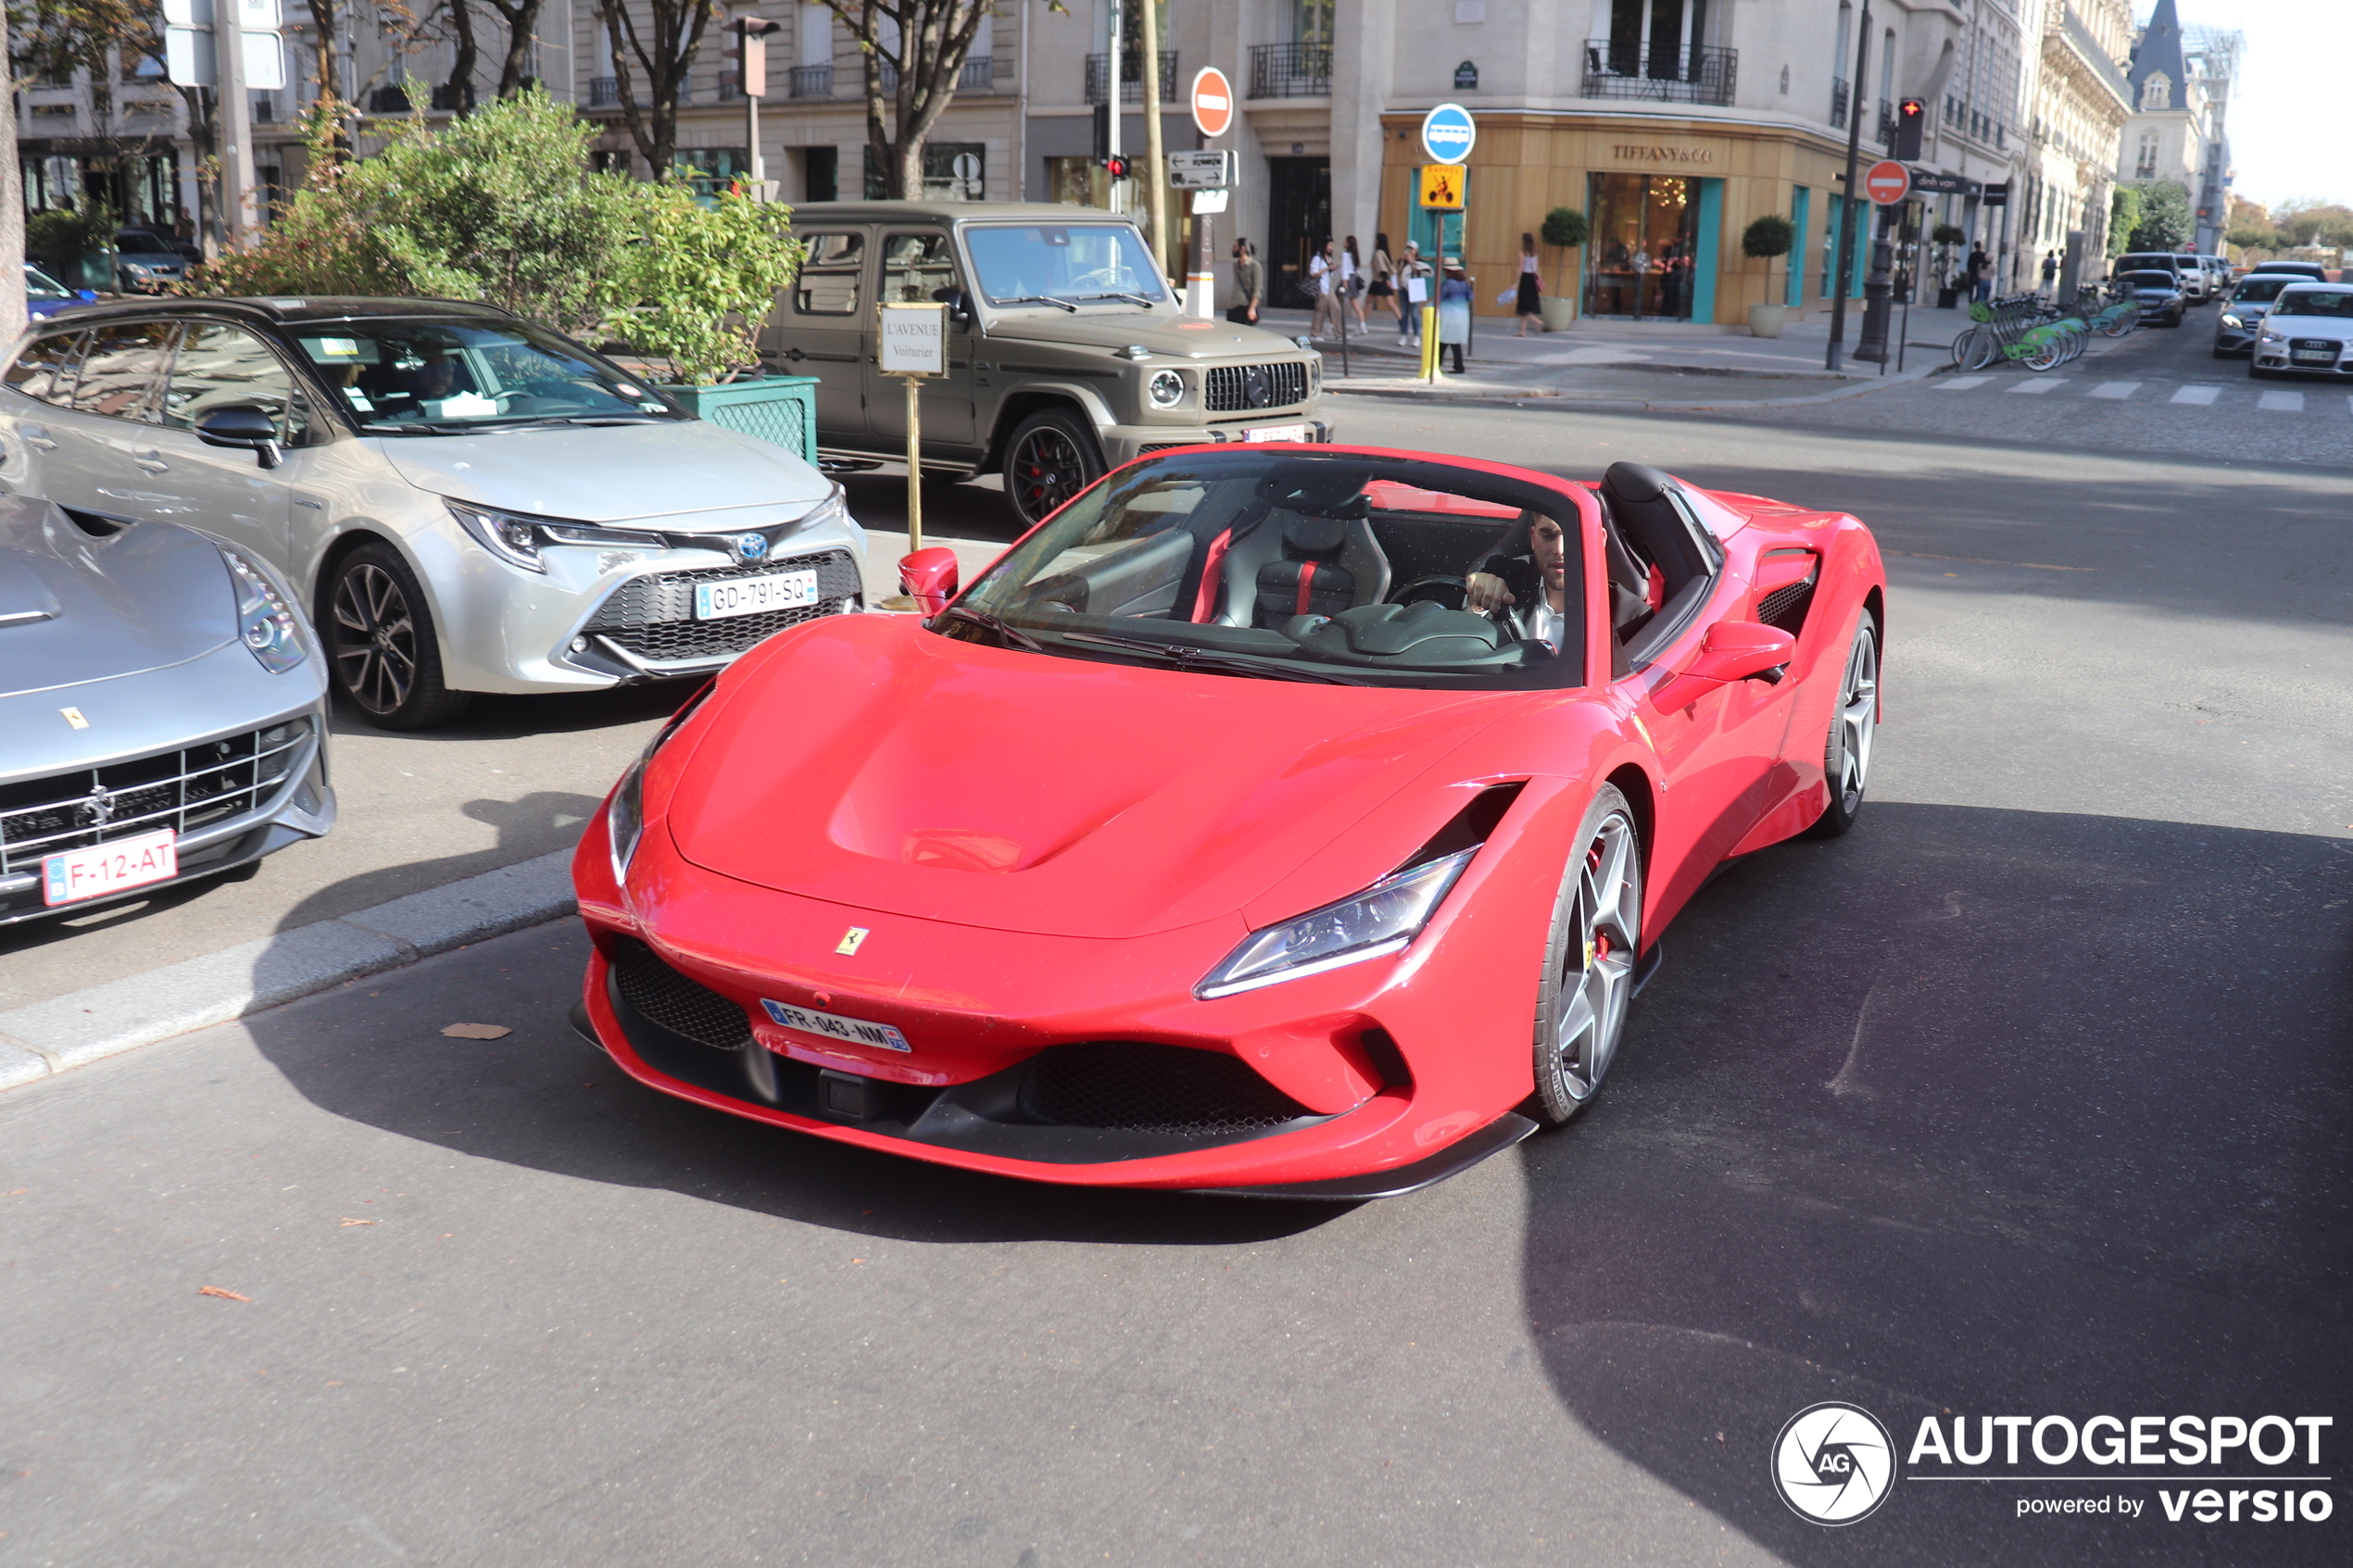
column 73, row 875
column 755, row 595
column 2317, row 356
column 1276, row 432
column 833, row 1026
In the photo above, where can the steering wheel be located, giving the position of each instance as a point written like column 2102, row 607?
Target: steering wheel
column 1452, row 591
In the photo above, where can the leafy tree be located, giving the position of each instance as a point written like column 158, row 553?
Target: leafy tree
column 913, row 53
column 2123, row 217
column 1564, row 228
column 2311, row 223
column 501, row 206
column 1770, row 235
column 2164, row 218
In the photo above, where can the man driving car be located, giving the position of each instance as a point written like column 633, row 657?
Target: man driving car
column 1541, row 600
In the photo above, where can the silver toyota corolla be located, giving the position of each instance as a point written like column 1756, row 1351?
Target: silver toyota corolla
column 162, row 710
column 466, row 501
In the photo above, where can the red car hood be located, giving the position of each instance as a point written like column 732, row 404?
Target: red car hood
column 871, row 763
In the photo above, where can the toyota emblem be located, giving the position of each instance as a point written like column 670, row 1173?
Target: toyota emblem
column 750, row 546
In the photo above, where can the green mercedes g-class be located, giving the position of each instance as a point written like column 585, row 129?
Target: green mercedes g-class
column 1066, row 354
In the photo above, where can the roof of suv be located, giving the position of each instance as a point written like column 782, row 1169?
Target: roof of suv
column 806, row 213
column 325, row 308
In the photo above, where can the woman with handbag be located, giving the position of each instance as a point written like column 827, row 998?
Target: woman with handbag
column 1530, row 307
column 1357, row 285
column 1384, row 286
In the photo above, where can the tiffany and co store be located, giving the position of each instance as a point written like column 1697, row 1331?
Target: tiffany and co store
column 1667, row 201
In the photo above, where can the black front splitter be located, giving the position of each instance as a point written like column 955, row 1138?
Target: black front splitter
column 1452, row 1161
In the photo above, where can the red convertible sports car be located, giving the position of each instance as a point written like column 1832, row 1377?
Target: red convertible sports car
column 1277, row 820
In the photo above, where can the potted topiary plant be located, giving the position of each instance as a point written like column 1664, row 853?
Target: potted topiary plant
column 1564, row 229
column 1770, row 236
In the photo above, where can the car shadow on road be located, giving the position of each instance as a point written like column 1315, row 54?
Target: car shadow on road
column 539, row 823
column 543, row 1099
column 1976, row 1112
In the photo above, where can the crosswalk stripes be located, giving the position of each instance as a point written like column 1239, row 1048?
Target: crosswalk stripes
column 2192, row 394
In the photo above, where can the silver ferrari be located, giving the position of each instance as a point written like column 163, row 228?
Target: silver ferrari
column 162, row 710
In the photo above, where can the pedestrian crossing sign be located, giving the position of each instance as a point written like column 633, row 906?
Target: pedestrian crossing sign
column 1441, row 187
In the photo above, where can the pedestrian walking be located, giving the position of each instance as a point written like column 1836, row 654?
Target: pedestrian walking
column 1530, row 307
column 1455, row 311
column 1322, row 287
column 1981, row 274
column 1382, row 290
column 1249, row 282
column 2050, row 272
column 1413, row 293
column 1352, row 271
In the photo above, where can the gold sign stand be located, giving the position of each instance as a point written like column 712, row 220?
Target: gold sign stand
column 912, row 343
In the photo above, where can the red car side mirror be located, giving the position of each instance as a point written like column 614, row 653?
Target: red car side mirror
column 1732, row 650
column 928, row 577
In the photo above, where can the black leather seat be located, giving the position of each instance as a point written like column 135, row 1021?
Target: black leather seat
column 1309, row 577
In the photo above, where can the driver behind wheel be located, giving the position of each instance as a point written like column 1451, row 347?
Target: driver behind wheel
column 1513, row 582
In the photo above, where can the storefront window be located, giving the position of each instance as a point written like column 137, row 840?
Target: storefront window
column 1644, row 244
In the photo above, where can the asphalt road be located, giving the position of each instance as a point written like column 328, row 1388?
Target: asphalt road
column 2030, row 1097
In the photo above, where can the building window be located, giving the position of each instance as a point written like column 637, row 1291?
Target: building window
column 2157, row 92
column 2145, row 166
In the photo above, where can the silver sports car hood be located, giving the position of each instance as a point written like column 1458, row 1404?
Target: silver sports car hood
column 75, row 608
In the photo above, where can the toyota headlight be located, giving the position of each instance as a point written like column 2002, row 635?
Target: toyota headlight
column 626, row 812
column 1376, row 923
column 1166, row 389
column 267, row 622
column 517, row 538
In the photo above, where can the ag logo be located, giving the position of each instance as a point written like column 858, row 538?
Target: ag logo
column 1833, row 1464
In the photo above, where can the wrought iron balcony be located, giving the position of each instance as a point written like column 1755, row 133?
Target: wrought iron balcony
column 811, row 81
column 603, row 92
column 1703, row 75
column 1838, row 102
column 730, row 87
column 1886, row 123
column 979, row 74
column 1131, row 72
column 1291, row 70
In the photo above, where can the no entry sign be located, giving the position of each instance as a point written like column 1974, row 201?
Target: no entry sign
column 1213, row 102
column 1888, row 182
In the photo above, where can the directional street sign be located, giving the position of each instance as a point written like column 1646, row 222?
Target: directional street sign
column 1888, row 182
column 1448, row 132
column 1213, row 102
column 1210, row 170
column 188, row 54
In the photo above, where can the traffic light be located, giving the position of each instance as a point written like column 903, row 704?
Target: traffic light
column 1911, row 114
column 1115, row 167
column 1103, row 131
column 752, row 55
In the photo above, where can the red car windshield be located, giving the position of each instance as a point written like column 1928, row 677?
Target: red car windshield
column 1340, row 567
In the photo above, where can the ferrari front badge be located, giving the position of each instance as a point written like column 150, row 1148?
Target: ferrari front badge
column 850, row 940
column 74, row 718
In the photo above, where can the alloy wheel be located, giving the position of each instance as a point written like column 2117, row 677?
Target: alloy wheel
column 1048, row 469
column 375, row 639
column 1857, row 721
column 1597, row 974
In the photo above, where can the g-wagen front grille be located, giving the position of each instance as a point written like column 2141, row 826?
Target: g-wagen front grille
column 185, row 790
column 1232, row 389
column 653, row 616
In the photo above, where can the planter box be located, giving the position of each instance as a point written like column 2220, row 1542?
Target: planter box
column 1558, row 313
column 778, row 408
column 1766, row 320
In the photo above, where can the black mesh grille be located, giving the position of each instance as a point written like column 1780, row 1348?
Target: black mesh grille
column 1232, row 388
column 1139, row 1087
column 653, row 616
column 184, row 790
column 662, row 995
column 1785, row 606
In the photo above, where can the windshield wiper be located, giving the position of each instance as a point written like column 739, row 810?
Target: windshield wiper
column 988, row 623
column 1189, row 655
column 1040, row 299
column 520, row 421
column 1131, row 298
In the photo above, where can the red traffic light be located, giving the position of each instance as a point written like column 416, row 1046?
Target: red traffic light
column 1116, row 167
column 1911, row 117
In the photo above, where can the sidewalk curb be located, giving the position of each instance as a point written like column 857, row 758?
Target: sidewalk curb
column 51, row 1036
column 1534, row 400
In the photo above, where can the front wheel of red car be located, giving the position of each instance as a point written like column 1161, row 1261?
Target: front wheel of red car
column 1588, row 984
column 1847, row 754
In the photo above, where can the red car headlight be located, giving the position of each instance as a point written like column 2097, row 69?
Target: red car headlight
column 626, row 812
column 1376, row 923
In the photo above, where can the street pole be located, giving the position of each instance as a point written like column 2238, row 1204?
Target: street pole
column 1155, row 174
column 1844, row 242
column 1111, row 97
column 236, row 120
column 1879, row 291
column 914, row 463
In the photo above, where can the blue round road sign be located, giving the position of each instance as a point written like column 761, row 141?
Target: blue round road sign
column 1448, row 132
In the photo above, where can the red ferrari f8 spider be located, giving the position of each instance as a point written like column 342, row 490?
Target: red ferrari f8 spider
column 1287, row 820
